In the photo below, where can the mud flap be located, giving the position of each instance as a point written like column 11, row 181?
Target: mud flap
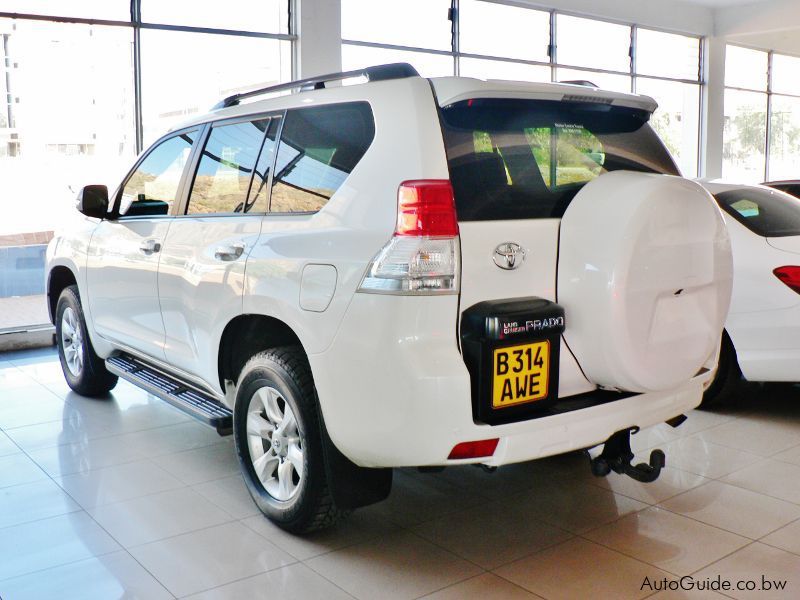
column 350, row 485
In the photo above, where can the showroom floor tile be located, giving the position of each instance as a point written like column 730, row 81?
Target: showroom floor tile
column 127, row 497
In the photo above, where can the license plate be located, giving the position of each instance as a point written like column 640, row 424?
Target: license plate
column 521, row 374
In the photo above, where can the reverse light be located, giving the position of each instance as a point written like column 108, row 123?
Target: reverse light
column 790, row 275
column 422, row 256
column 479, row 449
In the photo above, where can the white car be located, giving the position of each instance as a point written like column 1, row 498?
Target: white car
column 405, row 272
column 762, row 333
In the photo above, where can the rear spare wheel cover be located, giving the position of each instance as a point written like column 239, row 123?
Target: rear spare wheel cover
column 644, row 275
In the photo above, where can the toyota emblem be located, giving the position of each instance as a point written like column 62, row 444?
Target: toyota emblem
column 509, row 255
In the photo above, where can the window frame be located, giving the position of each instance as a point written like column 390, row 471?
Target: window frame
column 457, row 54
column 136, row 23
column 194, row 162
column 179, row 195
column 770, row 95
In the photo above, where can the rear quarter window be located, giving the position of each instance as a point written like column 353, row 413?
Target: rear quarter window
column 523, row 159
column 766, row 213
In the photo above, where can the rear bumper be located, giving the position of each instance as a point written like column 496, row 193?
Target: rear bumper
column 394, row 391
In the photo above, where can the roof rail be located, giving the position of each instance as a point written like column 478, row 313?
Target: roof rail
column 376, row 73
column 582, row 82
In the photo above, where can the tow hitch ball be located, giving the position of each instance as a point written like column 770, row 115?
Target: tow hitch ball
column 616, row 456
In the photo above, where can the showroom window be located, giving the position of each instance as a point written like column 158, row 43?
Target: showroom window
column 85, row 85
column 762, row 115
column 497, row 40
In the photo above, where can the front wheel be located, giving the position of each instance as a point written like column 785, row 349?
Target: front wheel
column 84, row 371
column 276, row 429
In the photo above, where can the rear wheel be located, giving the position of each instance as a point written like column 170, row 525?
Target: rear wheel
column 728, row 377
column 84, row 371
column 276, row 428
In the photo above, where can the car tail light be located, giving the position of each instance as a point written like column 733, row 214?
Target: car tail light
column 790, row 276
column 479, row 449
column 422, row 256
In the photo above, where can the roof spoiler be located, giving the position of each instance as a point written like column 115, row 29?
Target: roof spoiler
column 376, row 73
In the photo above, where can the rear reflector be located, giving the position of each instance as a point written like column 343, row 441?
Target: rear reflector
column 426, row 208
column 477, row 449
column 789, row 275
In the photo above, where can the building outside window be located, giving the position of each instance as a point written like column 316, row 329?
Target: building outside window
column 79, row 100
column 478, row 38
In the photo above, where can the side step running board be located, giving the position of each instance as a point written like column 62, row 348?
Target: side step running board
column 190, row 400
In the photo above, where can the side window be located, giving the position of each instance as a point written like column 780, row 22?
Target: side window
column 225, row 170
column 318, row 149
column 152, row 188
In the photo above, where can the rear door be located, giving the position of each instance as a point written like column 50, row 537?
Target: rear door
column 124, row 254
column 515, row 165
column 201, row 275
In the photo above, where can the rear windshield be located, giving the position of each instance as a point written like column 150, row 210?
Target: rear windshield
column 526, row 159
column 764, row 212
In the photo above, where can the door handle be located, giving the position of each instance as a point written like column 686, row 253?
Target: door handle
column 150, row 247
column 229, row 252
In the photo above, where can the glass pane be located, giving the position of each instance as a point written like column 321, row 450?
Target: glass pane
column 428, row 65
column 784, row 142
column 319, row 147
column 113, row 10
column 677, row 119
column 768, row 213
column 418, row 23
column 499, row 69
column 502, row 30
column 667, row 54
column 744, row 136
column 177, row 85
column 69, row 124
column 527, row 159
column 153, row 187
column 222, row 182
column 784, row 74
column 269, row 16
column 590, row 43
column 606, row 81
column 745, row 68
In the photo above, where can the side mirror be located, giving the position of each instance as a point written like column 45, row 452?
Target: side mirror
column 93, row 201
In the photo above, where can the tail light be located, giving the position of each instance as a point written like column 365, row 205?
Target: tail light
column 790, row 276
column 422, row 256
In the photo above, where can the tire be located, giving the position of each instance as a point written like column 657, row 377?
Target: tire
column 728, row 377
column 84, row 371
column 286, row 475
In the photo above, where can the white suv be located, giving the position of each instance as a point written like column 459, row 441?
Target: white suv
column 402, row 272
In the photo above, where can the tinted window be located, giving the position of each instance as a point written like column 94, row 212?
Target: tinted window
column 766, row 213
column 523, row 159
column 789, row 188
column 223, row 177
column 153, row 186
column 318, row 149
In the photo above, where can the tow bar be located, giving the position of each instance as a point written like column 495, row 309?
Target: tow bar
column 617, row 455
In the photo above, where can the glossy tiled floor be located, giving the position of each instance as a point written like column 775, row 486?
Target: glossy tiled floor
column 128, row 498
